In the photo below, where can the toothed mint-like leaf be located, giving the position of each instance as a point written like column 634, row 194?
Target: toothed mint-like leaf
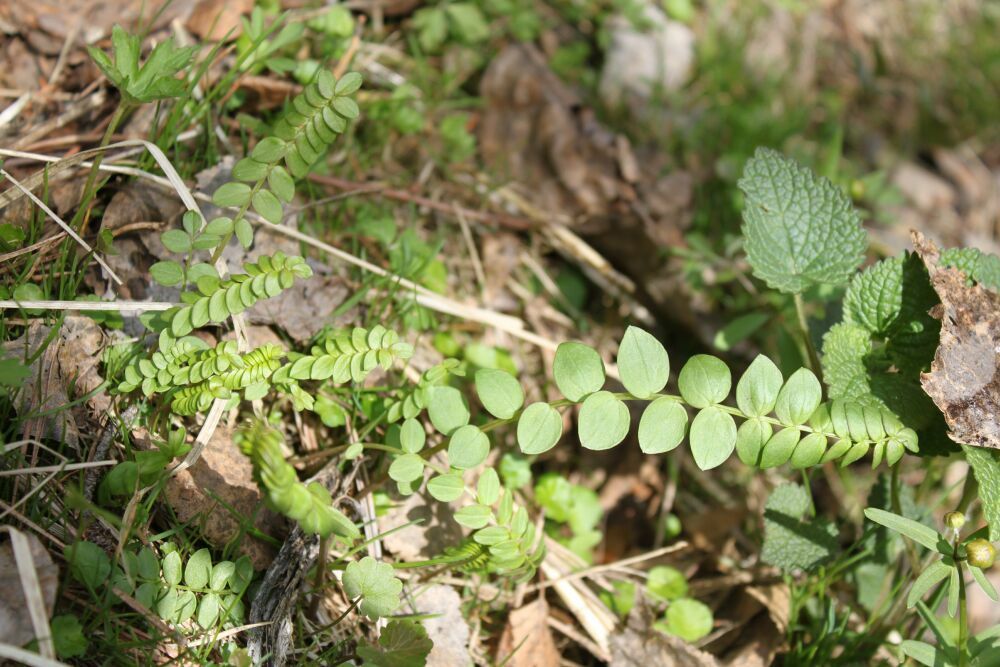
column 800, row 229
column 986, row 466
column 844, row 349
column 789, row 542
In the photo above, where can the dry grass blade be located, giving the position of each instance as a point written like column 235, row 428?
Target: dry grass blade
column 32, row 589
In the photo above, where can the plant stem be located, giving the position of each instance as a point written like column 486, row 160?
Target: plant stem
column 811, row 355
column 89, row 188
column 963, row 617
column 324, row 548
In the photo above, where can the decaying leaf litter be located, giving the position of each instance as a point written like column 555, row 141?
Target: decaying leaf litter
column 499, row 194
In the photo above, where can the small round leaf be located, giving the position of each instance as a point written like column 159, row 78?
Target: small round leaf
column 713, row 437
column 231, row 194
column 167, row 273
column 539, row 428
column 578, row 370
column 799, row 398
column 758, row 389
column 604, row 421
column 750, row 439
column 446, row 488
column 662, row 426
column 468, row 447
column 447, row 409
column 642, row 363
column 705, row 380
column 779, row 448
column 499, row 392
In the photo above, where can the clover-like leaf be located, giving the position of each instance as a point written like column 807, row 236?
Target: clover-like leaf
column 800, row 230
column 375, row 583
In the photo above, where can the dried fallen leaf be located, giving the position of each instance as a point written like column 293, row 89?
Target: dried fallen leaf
column 639, row 645
column 526, row 640
column 215, row 490
column 217, row 19
column 447, row 628
column 15, row 625
column 964, row 381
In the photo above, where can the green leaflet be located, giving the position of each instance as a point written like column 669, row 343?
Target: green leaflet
column 578, row 370
column 375, row 583
column 604, row 421
column 800, row 230
column 643, row 364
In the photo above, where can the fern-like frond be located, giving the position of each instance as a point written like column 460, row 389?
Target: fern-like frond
column 309, row 505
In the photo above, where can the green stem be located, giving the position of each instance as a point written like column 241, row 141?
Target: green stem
column 89, row 190
column 963, row 618
column 811, row 355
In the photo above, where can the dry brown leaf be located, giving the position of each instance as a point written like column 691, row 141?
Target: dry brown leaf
column 964, row 381
column 447, row 628
column 15, row 623
column 427, row 538
column 43, row 390
column 223, row 472
column 218, row 19
column 526, row 640
column 639, row 645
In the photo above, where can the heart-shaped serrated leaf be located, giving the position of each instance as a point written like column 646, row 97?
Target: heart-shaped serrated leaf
column 375, row 583
column 800, row 230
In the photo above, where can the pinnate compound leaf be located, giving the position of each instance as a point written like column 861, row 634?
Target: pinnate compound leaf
column 488, row 488
column 447, row 409
column 604, row 421
column 198, row 569
column 406, row 468
column 412, row 436
column 473, row 516
column 539, row 428
column 790, row 543
column 578, row 370
column 446, row 488
column 468, row 447
column 713, row 437
column 167, row 273
column 499, row 392
column 800, row 230
column 377, row 585
column 662, row 426
column 705, row 380
column 918, row 532
column 757, row 390
column 642, row 363
column 799, row 398
column 231, row 194
column 402, row 644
